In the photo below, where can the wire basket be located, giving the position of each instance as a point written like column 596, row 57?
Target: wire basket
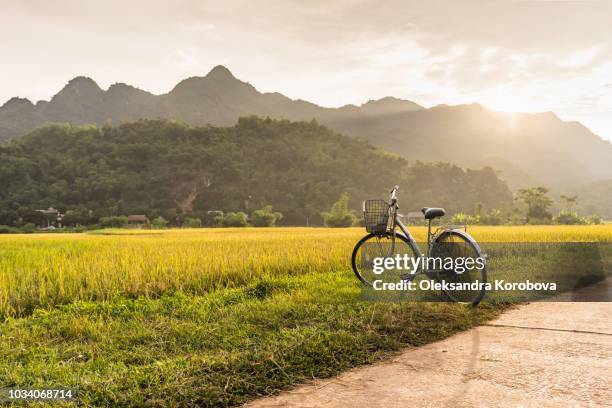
column 376, row 216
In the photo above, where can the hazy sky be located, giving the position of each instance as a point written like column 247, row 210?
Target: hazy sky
column 508, row 55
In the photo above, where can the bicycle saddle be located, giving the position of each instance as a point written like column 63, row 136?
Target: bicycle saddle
column 431, row 213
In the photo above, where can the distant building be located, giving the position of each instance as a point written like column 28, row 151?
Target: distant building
column 413, row 218
column 52, row 217
column 138, row 220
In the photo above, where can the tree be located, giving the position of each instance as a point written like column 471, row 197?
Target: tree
column 567, row 217
column 159, row 222
column 234, row 219
column 594, row 219
column 79, row 216
column 114, row 222
column 214, row 218
column 264, row 217
column 9, row 217
column 192, row 222
column 162, row 168
column 569, row 201
column 188, row 192
column 537, row 202
column 339, row 215
column 494, row 217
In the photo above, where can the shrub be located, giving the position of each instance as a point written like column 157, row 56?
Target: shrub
column 214, row 218
column 192, row 222
column 360, row 221
column 515, row 219
column 5, row 229
column 339, row 215
column 569, row 218
column 79, row 216
column 494, row 217
column 465, row 219
column 234, row 219
column 595, row 219
column 114, row 222
column 264, row 217
column 159, row 222
column 28, row 228
column 540, row 221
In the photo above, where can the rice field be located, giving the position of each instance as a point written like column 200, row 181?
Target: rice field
column 44, row 270
column 209, row 317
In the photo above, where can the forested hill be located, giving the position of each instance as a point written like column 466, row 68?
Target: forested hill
column 529, row 149
column 159, row 167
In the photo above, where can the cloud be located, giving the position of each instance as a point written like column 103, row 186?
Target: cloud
column 182, row 60
column 579, row 59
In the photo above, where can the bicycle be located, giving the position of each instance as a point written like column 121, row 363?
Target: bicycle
column 382, row 220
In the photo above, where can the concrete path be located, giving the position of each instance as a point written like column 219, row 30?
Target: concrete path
column 537, row 355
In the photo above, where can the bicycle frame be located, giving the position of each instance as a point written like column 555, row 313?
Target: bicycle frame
column 430, row 238
column 397, row 222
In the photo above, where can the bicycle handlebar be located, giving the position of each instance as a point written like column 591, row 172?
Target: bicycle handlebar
column 394, row 194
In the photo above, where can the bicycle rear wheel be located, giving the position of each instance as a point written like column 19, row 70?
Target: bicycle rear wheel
column 450, row 247
column 380, row 246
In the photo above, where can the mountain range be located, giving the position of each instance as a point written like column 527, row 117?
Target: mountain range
column 527, row 149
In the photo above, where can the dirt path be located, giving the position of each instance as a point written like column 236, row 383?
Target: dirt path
column 538, row 355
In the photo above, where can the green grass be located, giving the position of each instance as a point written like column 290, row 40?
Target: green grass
column 218, row 349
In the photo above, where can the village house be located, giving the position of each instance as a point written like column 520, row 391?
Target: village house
column 139, row 221
column 52, row 218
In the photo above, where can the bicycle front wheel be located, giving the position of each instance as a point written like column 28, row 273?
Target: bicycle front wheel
column 463, row 281
column 374, row 246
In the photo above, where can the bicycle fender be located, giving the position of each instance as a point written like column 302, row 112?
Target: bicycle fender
column 461, row 233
